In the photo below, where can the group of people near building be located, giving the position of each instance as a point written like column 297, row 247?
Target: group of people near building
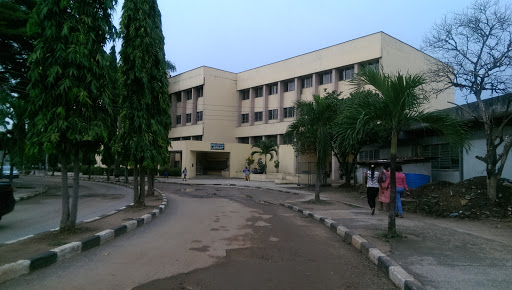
column 378, row 184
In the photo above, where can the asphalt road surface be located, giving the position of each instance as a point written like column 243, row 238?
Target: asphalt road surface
column 216, row 238
column 42, row 213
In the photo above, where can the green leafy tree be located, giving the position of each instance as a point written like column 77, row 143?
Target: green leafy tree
column 475, row 49
column 265, row 147
column 69, row 98
column 145, row 120
column 398, row 105
column 312, row 131
column 16, row 47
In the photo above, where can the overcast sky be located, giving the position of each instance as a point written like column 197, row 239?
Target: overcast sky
column 237, row 35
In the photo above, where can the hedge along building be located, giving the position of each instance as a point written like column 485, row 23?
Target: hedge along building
column 218, row 115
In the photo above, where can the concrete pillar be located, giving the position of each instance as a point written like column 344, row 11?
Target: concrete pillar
column 195, row 94
column 183, row 109
column 265, row 104
column 251, row 112
column 173, row 109
column 280, row 92
column 335, row 78
column 335, row 176
column 315, row 84
column 239, row 109
column 298, row 89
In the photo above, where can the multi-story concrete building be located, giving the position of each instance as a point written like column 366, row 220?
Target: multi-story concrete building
column 218, row 115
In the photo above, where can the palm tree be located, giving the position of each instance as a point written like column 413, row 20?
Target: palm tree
column 398, row 105
column 312, row 131
column 266, row 147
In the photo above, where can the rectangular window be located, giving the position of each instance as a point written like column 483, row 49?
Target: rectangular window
column 178, row 119
column 257, row 139
column 189, row 94
column 258, row 92
column 446, row 159
column 288, row 112
column 188, row 118
column 374, row 64
column 272, row 114
column 325, row 78
column 245, row 94
column 178, row 98
column 200, row 91
column 368, row 155
column 289, row 86
column 258, row 116
column 245, row 118
column 272, row 89
column 307, row 82
column 346, row 73
column 287, row 139
column 243, row 140
column 199, row 116
column 197, row 138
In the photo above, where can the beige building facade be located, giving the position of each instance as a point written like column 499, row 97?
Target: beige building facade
column 217, row 115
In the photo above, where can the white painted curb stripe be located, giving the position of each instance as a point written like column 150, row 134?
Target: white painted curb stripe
column 68, row 250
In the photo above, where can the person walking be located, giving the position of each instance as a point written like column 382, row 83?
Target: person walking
column 401, row 187
column 247, row 173
column 372, row 187
column 184, row 174
column 384, row 185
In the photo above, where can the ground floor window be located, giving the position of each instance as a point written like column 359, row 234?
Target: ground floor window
column 446, row 158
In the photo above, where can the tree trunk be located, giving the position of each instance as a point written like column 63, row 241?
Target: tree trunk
column 76, row 187
column 126, row 174
column 90, row 170
column 136, row 184
column 108, row 173
column 65, row 193
column 392, row 180
column 142, row 195
column 116, row 169
column 492, row 182
column 151, row 183
column 318, row 180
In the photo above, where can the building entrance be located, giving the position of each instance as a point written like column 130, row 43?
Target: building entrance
column 211, row 163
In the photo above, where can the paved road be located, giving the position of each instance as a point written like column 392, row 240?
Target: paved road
column 223, row 239
column 42, row 213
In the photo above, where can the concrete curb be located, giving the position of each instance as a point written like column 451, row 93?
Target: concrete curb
column 22, row 267
column 395, row 273
column 29, row 196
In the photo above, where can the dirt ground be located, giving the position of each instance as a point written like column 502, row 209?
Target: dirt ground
column 43, row 242
column 466, row 199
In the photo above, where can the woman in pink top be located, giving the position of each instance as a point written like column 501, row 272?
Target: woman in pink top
column 401, row 187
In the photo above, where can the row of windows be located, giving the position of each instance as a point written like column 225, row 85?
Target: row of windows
column 195, row 138
column 444, row 157
column 273, row 114
column 188, row 117
column 188, row 94
column 344, row 74
column 256, row 139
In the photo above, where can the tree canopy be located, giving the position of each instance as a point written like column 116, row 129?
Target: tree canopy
column 475, row 49
column 145, row 118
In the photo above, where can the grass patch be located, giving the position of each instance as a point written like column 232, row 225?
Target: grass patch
column 388, row 237
column 320, row 202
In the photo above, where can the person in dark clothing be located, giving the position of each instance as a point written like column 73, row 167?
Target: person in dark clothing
column 372, row 186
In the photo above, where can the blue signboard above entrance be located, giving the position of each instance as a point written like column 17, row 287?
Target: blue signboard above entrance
column 217, row 146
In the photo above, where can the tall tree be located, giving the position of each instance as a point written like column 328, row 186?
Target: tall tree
column 69, row 98
column 398, row 105
column 145, row 120
column 346, row 149
column 265, row 147
column 312, row 131
column 475, row 47
column 16, row 47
